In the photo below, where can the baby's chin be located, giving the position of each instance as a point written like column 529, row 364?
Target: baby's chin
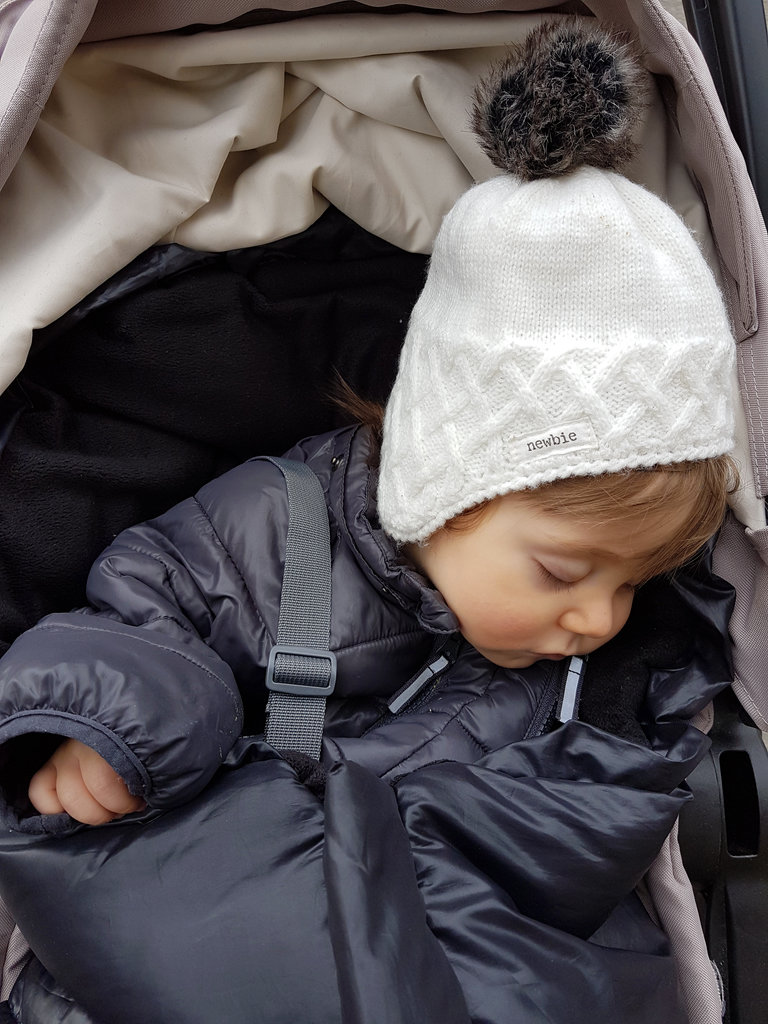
column 517, row 659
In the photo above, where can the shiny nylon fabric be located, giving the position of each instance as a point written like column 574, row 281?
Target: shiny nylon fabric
column 317, row 900
column 275, row 956
column 318, row 903
column 489, row 881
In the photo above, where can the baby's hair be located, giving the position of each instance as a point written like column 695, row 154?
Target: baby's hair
column 703, row 486
column 357, row 409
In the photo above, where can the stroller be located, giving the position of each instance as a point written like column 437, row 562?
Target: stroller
column 184, row 147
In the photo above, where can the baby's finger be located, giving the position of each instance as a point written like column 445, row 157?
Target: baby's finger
column 107, row 788
column 42, row 791
column 77, row 801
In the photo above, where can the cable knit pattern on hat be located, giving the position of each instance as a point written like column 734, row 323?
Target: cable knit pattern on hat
column 569, row 326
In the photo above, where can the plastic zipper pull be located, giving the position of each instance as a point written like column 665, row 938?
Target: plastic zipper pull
column 445, row 658
column 568, row 706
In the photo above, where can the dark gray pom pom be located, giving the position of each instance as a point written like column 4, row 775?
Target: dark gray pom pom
column 570, row 94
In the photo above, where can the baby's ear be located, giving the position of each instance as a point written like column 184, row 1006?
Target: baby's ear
column 570, row 94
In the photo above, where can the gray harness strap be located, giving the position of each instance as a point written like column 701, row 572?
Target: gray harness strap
column 301, row 672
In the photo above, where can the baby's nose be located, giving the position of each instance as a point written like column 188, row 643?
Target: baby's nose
column 592, row 617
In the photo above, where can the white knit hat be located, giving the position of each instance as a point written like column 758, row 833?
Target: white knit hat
column 569, row 325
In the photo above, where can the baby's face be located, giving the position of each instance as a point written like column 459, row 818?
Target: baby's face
column 527, row 584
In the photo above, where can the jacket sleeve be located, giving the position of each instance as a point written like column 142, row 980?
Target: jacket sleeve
column 148, row 674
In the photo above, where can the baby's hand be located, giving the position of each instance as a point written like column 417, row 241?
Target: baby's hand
column 79, row 781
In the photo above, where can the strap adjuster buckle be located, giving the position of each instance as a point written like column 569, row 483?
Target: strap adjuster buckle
column 292, row 675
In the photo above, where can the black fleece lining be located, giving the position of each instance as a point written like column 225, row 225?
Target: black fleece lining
column 143, row 399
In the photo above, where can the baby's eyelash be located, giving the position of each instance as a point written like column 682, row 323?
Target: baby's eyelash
column 551, row 580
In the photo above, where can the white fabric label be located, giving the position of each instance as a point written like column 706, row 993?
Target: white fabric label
column 570, row 437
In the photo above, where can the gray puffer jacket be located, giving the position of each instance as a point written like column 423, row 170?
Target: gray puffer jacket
column 501, row 846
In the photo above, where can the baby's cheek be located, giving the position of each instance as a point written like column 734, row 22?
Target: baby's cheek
column 500, row 628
